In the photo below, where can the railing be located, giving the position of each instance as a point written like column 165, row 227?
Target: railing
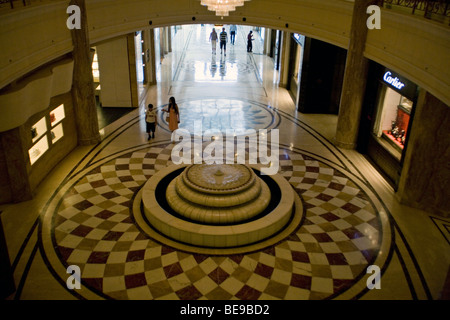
column 438, row 10
column 11, row 2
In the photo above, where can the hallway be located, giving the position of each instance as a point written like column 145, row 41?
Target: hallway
column 83, row 215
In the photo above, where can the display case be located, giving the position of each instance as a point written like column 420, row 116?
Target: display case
column 57, row 115
column 57, row 133
column 38, row 130
column 393, row 119
column 38, row 149
column 39, row 133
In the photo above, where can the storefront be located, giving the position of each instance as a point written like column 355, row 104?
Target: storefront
column 295, row 65
column 389, row 113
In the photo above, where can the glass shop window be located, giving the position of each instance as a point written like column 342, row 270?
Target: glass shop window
column 56, row 115
column 38, row 149
column 392, row 121
column 38, row 130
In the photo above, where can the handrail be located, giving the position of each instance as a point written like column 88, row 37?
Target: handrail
column 438, row 10
column 11, row 2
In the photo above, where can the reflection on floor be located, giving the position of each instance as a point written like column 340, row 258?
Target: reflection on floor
column 82, row 213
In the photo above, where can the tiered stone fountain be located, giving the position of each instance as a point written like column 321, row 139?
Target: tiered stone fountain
column 218, row 206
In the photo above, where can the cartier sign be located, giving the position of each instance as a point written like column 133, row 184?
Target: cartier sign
column 393, row 81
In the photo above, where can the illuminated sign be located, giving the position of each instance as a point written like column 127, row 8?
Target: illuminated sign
column 395, row 82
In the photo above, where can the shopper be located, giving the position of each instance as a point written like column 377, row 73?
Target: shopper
column 223, row 41
column 173, row 117
column 233, row 31
column 213, row 39
column 249, row 41
column 150, row 121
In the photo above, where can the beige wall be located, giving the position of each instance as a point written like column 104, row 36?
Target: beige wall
column 32, row 94
column 114, row 73
column 416, row 48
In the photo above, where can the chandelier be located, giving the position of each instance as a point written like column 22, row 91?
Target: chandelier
column 222, row 7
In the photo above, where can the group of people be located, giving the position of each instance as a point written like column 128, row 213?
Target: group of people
column 173, row 113
column 223, row 38
column 172, row 118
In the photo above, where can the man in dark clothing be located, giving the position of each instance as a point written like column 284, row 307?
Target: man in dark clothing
column 232, row 33
column 249, row 41
column 223, row 41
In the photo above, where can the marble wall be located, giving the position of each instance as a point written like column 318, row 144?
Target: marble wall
column 425, row 177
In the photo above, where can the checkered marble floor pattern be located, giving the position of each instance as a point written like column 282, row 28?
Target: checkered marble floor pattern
column 92, row 227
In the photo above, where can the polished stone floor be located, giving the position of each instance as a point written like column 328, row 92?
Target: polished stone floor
column 83, row 211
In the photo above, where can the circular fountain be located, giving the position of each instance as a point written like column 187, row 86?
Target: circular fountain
column 218, row 206
column 218, row 194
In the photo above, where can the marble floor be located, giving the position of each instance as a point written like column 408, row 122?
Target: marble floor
column 82, row 213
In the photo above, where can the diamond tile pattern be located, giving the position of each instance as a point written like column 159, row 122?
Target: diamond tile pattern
column 337, row 240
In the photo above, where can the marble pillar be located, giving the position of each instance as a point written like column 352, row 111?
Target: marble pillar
column 284, row 61
column 16, row 163
column 83, row 83
column 425, row 177
column 355, row 76
column 132, row 70
column 169, row 39
column 150, row 62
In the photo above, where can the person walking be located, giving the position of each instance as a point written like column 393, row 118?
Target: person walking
column 173, row 117
column 150, row 121
column 249, row 41
column 223, row 41
column 233, row 31
column 213, row 39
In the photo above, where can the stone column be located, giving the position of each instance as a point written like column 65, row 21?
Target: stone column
column 16, row 163
column 132, row 70
column 354, row 79
column 425, row 174
column 162, row 34
column 151, row 63
column 284, row 61
column 83, row 83
column 267, row 41
column 169, row 39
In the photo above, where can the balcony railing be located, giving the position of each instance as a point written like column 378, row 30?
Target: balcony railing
column 14, row 2
column 438, row 10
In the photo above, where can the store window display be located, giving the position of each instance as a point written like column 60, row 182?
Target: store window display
column 393, row 119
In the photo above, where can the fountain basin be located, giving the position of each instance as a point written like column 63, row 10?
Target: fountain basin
column 232, row 233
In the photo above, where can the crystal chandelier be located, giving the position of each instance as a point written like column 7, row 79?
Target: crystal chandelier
column 222, row 7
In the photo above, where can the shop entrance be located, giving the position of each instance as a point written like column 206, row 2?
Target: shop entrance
column 386, row 120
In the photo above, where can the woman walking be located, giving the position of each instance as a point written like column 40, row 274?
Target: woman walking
column 213, row 39
column 173, row 114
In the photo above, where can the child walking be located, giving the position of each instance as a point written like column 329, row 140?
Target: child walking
column 150, row 120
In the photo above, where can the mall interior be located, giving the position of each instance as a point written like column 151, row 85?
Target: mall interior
column 353, row 103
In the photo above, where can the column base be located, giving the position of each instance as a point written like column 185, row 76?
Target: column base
column 344, row 145
column 90, row 141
